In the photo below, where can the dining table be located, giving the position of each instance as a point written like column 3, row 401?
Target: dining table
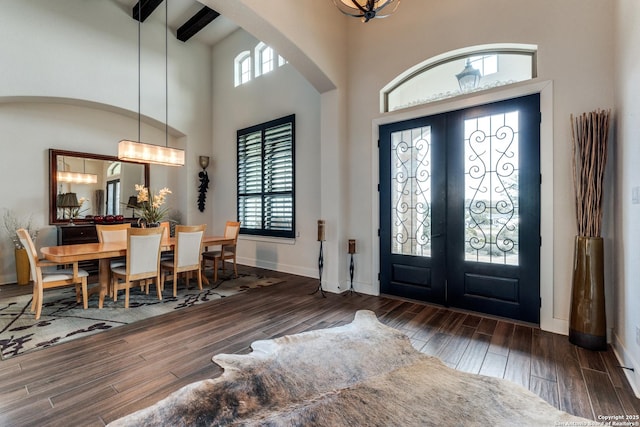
column 104, row 252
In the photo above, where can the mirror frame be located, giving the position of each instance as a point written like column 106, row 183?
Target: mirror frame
column 53, row 180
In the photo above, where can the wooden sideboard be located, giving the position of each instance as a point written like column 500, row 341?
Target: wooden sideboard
column 79, row 233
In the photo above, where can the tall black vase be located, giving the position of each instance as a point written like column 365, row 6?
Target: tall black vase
column 587, row 324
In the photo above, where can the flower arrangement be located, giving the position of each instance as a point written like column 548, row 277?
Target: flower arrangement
column 12, row 223
column 150, row 209
column 75, row 212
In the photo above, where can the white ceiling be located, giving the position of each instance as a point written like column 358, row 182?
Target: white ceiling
column 180, row 11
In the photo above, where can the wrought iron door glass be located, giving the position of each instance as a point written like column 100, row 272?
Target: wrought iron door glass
column 411, row 191
column 491, row 189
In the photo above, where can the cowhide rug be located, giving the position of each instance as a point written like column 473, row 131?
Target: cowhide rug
column 360, row 374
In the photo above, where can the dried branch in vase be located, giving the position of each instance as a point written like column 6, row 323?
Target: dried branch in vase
column 590, row 134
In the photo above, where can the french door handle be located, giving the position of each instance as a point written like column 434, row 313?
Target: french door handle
column 433, row 236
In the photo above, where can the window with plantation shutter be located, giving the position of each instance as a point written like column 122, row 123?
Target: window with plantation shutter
column 266, row 184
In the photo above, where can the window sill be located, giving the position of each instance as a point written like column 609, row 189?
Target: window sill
column 267, row 239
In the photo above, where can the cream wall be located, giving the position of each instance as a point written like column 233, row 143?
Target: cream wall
column 74, row 50
column 69, row 80
column 279, row 93
column 575, row 62
column 311, row 39
column 575, row 59
column 578, row 61
column 577, row 69
column 627, row 176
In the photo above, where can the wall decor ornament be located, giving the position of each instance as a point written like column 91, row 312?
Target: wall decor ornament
column 587, row 322
column 204, row 182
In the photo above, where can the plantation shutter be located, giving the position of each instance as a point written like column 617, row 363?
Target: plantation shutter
column 266, row 178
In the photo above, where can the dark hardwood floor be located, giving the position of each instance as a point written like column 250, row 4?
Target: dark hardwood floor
column 97, row 379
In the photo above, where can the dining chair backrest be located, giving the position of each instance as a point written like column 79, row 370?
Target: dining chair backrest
column 27, row 243
column 111, row 233
column 166, row 226
column 232, row 229
column 143, row 250
column 188, row 249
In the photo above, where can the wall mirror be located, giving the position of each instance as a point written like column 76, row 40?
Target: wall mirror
column 105, row 184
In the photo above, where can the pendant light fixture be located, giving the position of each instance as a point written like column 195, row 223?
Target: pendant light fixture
column 367, row 9
column 77, row 177
column 136, row 151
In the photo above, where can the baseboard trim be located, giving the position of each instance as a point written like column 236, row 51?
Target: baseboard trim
column 626, row 359
column 277, row 266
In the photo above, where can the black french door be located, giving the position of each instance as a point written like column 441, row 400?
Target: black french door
column 460, row 208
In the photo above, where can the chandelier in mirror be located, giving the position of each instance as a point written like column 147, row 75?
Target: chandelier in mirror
column 367, row 9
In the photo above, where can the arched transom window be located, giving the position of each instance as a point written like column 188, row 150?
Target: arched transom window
column 460, row 72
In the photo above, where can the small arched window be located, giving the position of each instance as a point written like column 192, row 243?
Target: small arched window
column 265, row 59
column 459, row 72
column 242, row 68
column 114, row 169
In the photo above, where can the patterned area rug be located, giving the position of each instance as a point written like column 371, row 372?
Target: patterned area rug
column 63, row 320
column 360, row 374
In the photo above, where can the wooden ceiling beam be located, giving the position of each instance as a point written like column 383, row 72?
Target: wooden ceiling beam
column 146, row 8
column 196, row 23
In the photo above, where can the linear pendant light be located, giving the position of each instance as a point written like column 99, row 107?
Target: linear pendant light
column 77, row 177
column 136, row 151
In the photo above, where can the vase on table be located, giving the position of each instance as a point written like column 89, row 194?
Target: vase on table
column 143, row 223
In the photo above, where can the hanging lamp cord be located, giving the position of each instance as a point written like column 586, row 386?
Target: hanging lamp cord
column 139, row 53
column 166, row 72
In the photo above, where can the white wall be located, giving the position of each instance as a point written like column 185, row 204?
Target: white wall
column 627, row 176
column 75, row 49
column 575, row 52
column 310, row 36
column 69, row 80
column 281, row 92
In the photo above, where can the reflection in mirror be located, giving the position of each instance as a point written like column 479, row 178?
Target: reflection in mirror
column 83, row 186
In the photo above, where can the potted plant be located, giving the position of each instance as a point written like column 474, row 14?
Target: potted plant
column 149, row 209
column 587, row 323
column 11, row 224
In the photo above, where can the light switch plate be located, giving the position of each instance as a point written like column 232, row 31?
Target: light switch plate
column 635, row 195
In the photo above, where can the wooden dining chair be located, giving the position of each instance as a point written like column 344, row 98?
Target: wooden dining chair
column 226, row 252
column 142, row 261
column 108, row 233
column 187, row 255
column 51, row 279
column 113, row 233
column 166, row 255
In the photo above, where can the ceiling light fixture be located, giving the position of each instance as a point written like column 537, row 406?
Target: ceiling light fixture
column 136, row 151
column 77, row 177
column 367, row 9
